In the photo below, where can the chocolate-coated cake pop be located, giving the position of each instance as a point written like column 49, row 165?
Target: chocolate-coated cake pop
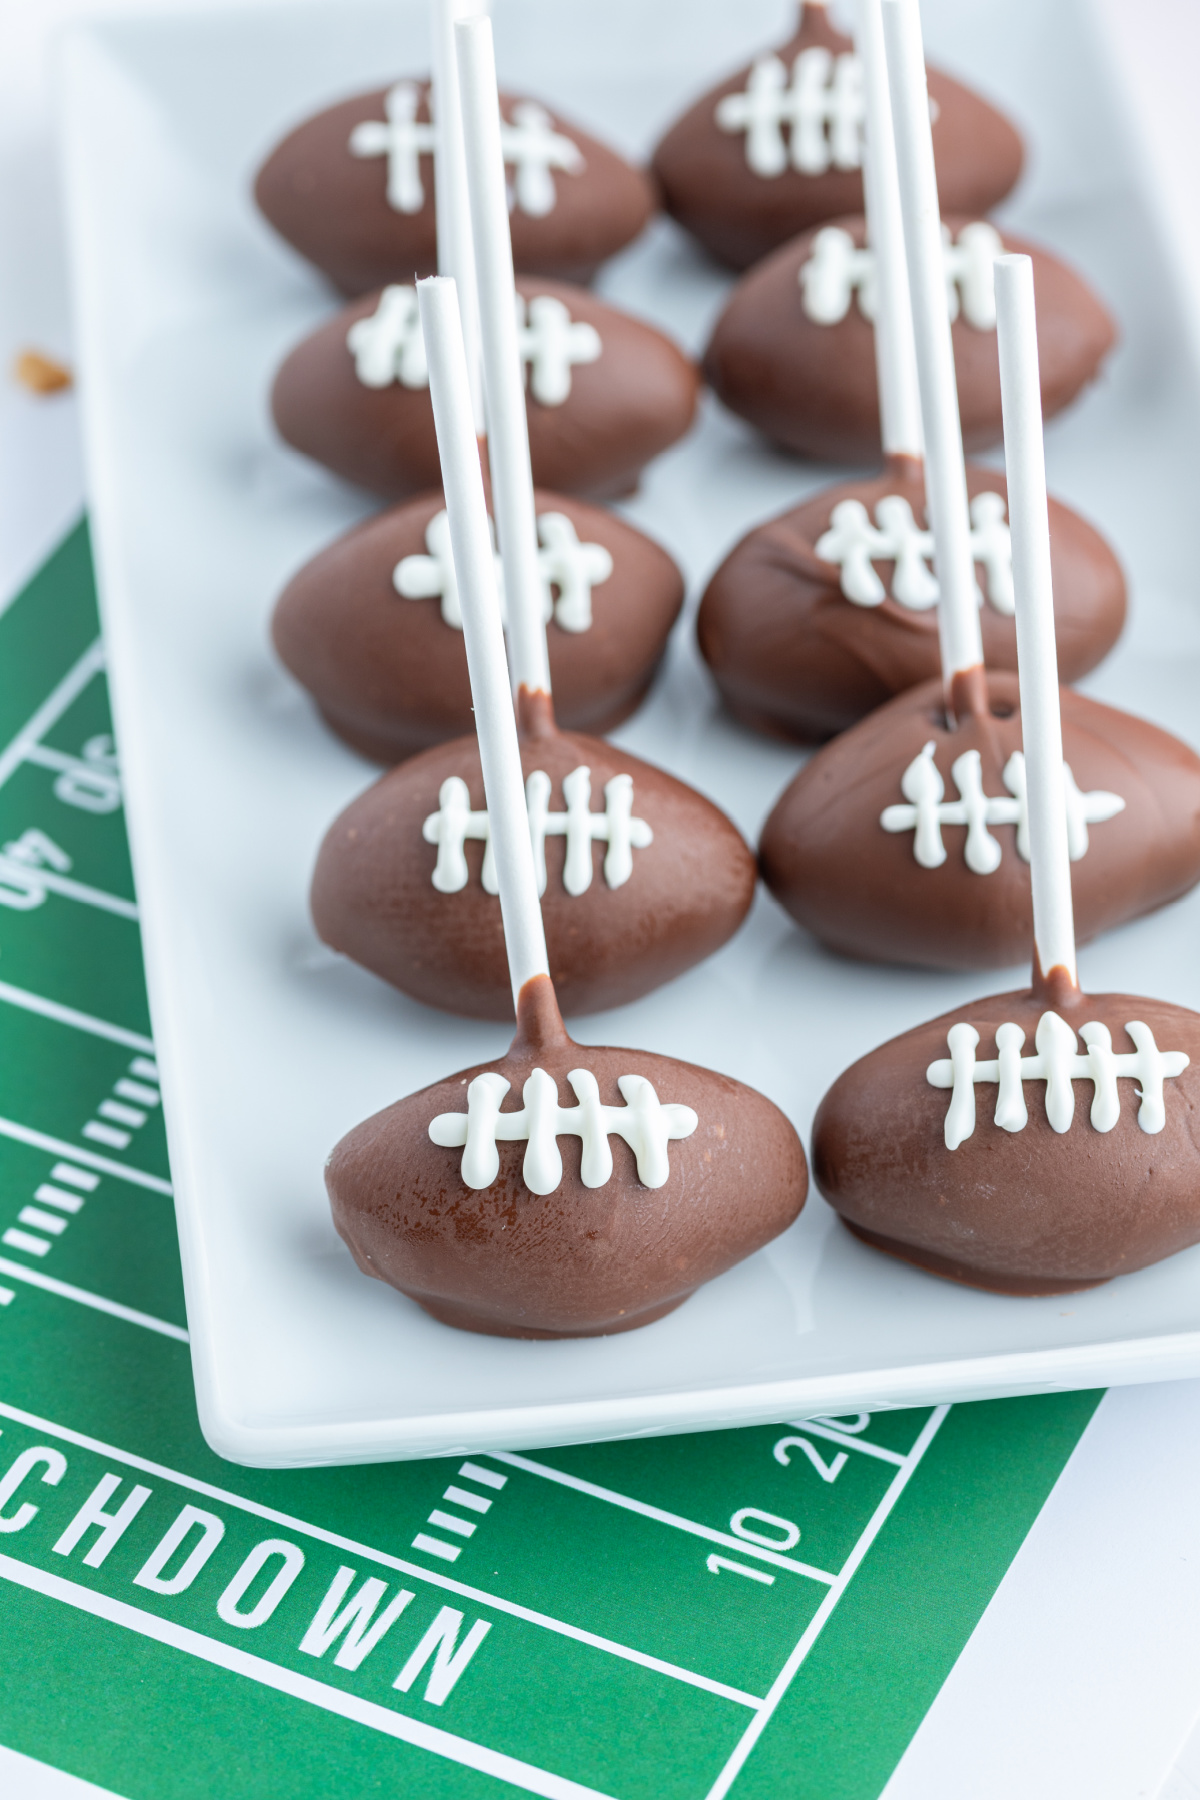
column 793, row 352
column 829, row 610
column 352, row 189
column 606, row 393
column 777, row 148
column 373, row 629
column 564, row 1190
column 906, row 839
column 642, row 876
column 487, row 1214
column 1062, row 1154
column 963, row 1146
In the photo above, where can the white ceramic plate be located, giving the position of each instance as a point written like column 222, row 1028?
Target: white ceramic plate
column 270, row 1047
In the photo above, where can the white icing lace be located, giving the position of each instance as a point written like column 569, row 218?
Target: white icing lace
column 838, row 270
column 565, row 563
column 855, row 544
column 551, row 343
column 1057, row 1063
column 454, row 823
column 927, row 810
column 403, row 139
column 646, row 1125
column 533, row 149
column 822, row 112
column 387, row 346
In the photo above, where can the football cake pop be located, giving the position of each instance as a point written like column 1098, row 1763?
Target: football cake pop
column 792, row 351
column 635, row 890
column 354, row 189
column 613, row 1182
column 606, row 393
column 371, row 625
column 1042, row 1141
column 826, row 611
column 906, row 839
column 777, row 147
column 373, row 629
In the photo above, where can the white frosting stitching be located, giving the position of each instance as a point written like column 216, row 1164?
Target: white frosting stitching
column 403, row 139
column 854, row 543
column 839, row 269
column 564, row 562
column 533, row 149
column 823, row 110
column 387, row 345
column 551, row 343
column 646, row 1125
column 927, row 811
column 1057, row 1063
column 454, row 823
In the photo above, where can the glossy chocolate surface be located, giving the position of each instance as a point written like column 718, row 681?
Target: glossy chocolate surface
column 740, row 216
column 795, row 658
column 333, row 208
column 637, row 398
column 827, row 859
column 374, row 900
column 1033, row 1211
column 389, row 675
column 581, row 1261
column 811, row 388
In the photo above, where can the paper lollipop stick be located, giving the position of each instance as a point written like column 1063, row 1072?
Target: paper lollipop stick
column 503, row 368
column 895, row 352
column 456, row 254
column 1037, row 654
column 945, row 473
column 475, row 571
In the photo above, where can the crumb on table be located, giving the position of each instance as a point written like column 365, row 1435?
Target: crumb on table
column 40, row 373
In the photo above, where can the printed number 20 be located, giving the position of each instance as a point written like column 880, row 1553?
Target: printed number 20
column 828, row 1471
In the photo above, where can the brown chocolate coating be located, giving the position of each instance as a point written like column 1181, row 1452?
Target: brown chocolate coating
column 741, row 217
column 390, row 676
column 1020, row 1212
column 827, row 859
column 373, row 896
column 812, row 388
column 794, row 658
column 333, row 208
column 637, row 398
column 582, row 1261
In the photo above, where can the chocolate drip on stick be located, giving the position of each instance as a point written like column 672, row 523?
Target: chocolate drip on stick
column 1041, row 720
column 945, row 474
column 524, row 937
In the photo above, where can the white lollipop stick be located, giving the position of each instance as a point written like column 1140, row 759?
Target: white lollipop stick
column 1037, row 653
column 475, row 572
column 945, row 472
column 895, row 352
column 503, row 368
column 456, row 255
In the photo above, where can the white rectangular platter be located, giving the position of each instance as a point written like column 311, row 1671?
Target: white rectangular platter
column 270, row 1047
